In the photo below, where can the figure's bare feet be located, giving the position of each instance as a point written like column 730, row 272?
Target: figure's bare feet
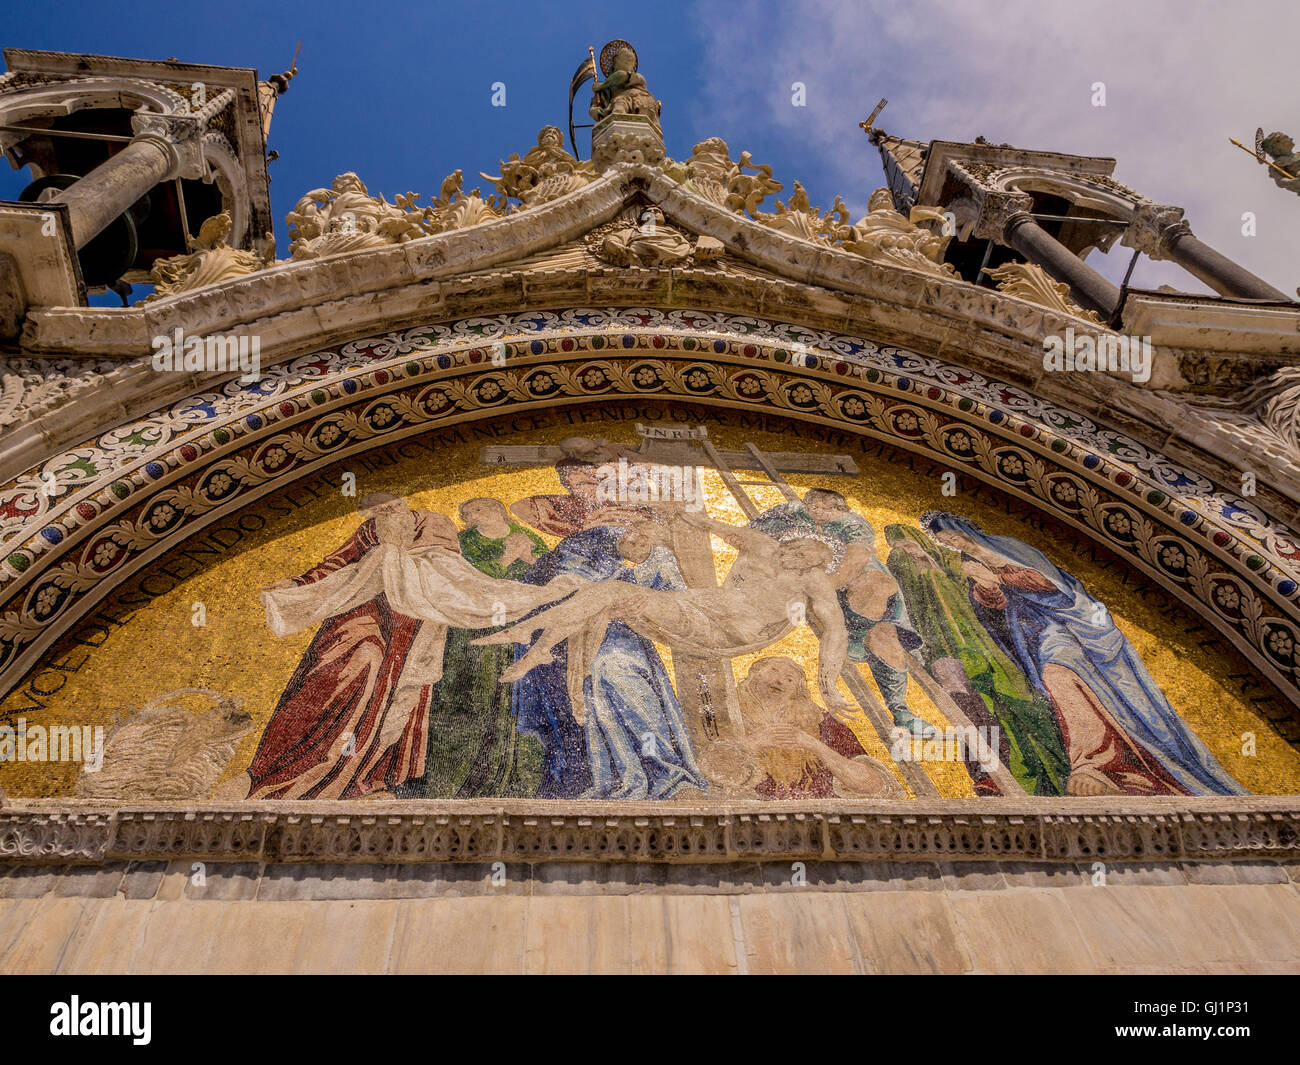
column 1088, row 781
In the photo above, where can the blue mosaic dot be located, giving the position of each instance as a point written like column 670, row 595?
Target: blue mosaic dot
column 1091, row 462
column 720, row 346
column 52, row 534
column 810, row 361
column 1285, row 587
column 538, row 348
column 1188, row 517
column 156, row 469
column 444, row 362
column 903, row 384
column 629, row 340
column 349, row 386
column 996, row 417
column 253, row 421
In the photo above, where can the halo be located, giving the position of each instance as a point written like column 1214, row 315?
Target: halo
column 607, row 55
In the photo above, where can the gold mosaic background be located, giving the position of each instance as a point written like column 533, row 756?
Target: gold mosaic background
column 159, row 650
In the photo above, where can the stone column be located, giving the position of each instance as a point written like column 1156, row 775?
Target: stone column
column 164, row 147
column 113, row 186
column 1161, row 232
column 1005, row 219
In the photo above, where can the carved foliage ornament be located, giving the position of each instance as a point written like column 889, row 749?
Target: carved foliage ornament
column 1031, row 282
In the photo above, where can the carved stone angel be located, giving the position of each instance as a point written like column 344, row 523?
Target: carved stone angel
column 546, row 173
column 210, row 260
column 711, row 172
column 887, row 236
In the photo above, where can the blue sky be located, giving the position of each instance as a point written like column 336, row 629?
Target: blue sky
column 401, row 94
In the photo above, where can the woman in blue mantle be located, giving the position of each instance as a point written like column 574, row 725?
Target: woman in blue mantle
column 1122, row 736
column 626, row 739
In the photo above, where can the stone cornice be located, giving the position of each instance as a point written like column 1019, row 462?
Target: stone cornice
column 1075, row 830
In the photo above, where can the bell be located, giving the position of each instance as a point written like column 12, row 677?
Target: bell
column 113, row 251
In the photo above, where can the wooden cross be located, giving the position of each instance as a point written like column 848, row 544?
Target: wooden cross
column 706, row 688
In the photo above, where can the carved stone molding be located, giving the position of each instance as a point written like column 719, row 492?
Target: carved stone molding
column 1154, row 228
column 556, row 831
column 996, row 209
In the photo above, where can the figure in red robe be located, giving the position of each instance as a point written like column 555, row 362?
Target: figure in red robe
column 343, row 728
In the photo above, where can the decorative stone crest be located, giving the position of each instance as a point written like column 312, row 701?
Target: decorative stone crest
column 1031, row 282
column 711, row 173
column 345, row 217
column 883, row 235
column 211, row 260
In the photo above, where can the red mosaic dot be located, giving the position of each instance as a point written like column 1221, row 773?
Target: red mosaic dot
column 189, row 452
column 750, row 350
column 381, row 377
column 475, row 355
column 933, row 393
column 1222, row 539
column 1122, row 479
column 285, row 408
column 85, row 511
column 658, row 341
column 566, row 344
column 841, row 368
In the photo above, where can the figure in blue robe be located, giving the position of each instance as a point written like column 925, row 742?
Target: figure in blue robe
column 634, row 743
column 1043, row 617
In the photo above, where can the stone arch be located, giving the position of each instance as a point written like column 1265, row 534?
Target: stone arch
column 136, row 491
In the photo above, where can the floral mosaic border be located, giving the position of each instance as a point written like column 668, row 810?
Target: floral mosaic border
column 148, row 485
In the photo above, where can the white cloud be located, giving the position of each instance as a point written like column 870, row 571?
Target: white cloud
column 1181, row 76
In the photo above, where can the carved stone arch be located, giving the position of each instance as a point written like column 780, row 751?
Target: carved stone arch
column 82, row 94
column 139, row 490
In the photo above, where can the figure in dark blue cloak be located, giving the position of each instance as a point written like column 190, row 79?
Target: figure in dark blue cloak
column 632, row 742
column 1122, row 736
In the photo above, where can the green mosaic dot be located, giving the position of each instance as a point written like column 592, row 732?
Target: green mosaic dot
column 962, row 404
column 318, row 395
column 688, row 344
column 412, row 368
column 1155, row 498
column 121, row 489
column 1059, row 445
column 597, row 343
column 1254, row 562
column 781, row 355
column 19, row 562
column 221, row 436
column 874, row 375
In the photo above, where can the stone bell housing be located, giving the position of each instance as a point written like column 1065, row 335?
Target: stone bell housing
column 128, row 158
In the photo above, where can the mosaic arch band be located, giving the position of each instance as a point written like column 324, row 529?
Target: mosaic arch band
column 595, row 619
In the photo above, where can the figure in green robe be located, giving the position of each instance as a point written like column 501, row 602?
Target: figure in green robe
column 475, row 748
column 956, row 642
